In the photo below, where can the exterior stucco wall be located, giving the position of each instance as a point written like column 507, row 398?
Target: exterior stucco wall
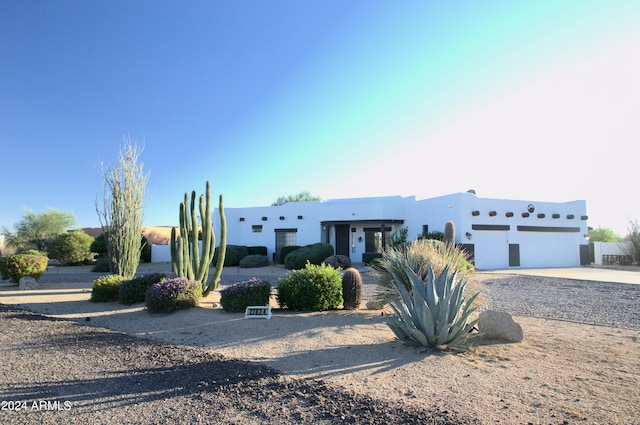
column 494, row 227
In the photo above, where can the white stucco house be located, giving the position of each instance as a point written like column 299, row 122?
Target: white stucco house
column 499, row 233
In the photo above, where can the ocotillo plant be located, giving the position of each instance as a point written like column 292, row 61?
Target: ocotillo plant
column 449, row 233
column 186, row 259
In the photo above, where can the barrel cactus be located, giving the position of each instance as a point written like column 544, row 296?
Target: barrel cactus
column 351, row 288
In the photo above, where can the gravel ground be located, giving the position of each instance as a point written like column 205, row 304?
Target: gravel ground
column 52, row 372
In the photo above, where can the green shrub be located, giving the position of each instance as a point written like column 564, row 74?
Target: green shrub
column 102, row 265
column 257, row 250
column 71, row 247
column 371, row 257
column 239, row 296
column 173, row 294
column 99, row 246
column 134, row 290
column 106, row 288
column 286, row 250
column 314, row 254
column 338, row 261
column 234, row 254
column 17, row 266
column 251, row 261
column 314, row 288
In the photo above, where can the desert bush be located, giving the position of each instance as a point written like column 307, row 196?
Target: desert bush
column 106, row 288
column 102, row 265
column 234, row 254
column 338, row 261
column 314, row 288
column 435, row 313
column 135, row 290
column 435, row 235
column 239, row 296
column 256, row 260
column 257, row 250
column 418, row 256
column 71, row 247
column 17, row 266
column 314, row 254
column 173, row 294
column 286, row 250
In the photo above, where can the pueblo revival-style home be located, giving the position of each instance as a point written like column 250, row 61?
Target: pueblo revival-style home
column 498, row 233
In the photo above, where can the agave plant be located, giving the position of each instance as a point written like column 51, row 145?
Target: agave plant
column 435, row 314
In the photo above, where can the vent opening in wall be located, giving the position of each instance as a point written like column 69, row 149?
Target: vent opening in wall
column 264, row 219
column 584, row 217
column 475, row 213
column 241, row 218
column 541, row 215
column 525, row 214
column 492, row 213
column 299, row 217
column 556, row 216
column 281, row 217
column 570, row 216
column 509, row 214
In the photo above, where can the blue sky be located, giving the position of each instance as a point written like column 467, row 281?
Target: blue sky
column 521, row 100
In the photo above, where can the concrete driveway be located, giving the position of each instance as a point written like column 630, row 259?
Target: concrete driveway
column 598, row 274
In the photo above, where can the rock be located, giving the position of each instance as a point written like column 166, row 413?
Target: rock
column 28, row 282
column 373, row 305
column 495, row 324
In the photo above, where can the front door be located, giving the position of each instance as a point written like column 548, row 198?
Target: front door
column 342, row 239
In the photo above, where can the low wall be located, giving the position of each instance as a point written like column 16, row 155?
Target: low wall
column 600, row 249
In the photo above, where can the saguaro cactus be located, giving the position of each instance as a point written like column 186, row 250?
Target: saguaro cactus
column 351, row 289
column 186, row 259
column 449, row 233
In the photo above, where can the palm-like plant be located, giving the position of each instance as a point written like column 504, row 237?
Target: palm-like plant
column 435, row 314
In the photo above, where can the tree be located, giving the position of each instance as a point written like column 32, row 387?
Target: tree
column 71, row 247
column 300, row 197
column 122, row 211
column 34, row 231
column 633, row 237
column 603, row 234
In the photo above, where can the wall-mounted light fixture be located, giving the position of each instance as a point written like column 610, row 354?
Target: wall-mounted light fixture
column 359, row 238
column 468, row 235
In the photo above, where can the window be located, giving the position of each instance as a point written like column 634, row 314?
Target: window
column 374, row 240
column 286, row 237
column 256, row 228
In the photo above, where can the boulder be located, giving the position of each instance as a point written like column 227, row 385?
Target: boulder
column 495, row 324
column 27, row 282
column 373, row 305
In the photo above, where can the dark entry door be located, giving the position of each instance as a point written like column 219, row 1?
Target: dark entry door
column 342, row 239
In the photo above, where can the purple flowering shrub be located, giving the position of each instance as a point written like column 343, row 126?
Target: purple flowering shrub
column 237, row 297
column 173, row 294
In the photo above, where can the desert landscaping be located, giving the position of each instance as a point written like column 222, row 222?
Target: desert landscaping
column 578, row 362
